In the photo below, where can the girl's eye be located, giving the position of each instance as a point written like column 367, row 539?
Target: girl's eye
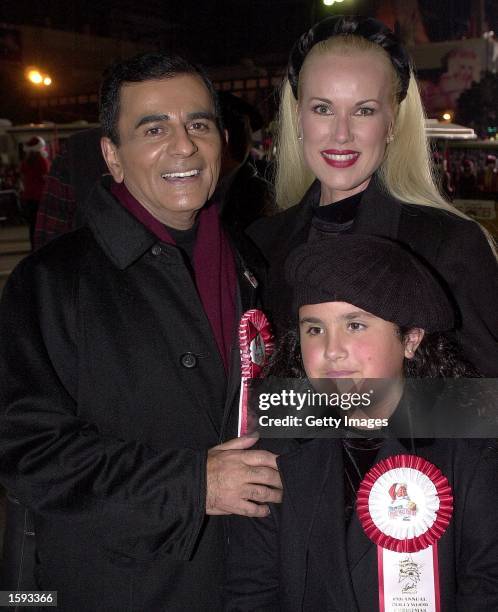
column 365, row 111
column 314, row 330
column 356, row 326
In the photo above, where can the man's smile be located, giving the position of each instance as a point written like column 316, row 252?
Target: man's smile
column 181, row 175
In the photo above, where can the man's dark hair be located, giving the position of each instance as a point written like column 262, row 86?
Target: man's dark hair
column 144, row 67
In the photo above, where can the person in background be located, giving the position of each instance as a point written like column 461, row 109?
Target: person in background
column 442, row 176
column 353, row 157
column 488, row 177
column 244, row 195
column 120, row 368
column 72, row 176
column 34, row 169
column 467, row 180
column 365, row 308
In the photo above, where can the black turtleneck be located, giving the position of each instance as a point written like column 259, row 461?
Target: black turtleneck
column 335, row 218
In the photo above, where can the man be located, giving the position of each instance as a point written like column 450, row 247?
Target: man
column 118, row 365
column 244, row 195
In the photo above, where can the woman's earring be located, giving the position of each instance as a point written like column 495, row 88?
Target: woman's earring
column 300, row 137
column 389, row 139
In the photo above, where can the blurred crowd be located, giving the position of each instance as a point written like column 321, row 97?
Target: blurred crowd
column 468, row 175
column 10, row 177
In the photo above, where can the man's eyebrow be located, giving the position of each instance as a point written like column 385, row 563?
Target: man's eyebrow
column 190, row 117
column 151, row 119
column 202, row 115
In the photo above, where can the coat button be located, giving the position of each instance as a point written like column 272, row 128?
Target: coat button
column 156, row 250
column 188, row 360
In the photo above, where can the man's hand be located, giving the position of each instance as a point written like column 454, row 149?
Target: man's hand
column 241, row 481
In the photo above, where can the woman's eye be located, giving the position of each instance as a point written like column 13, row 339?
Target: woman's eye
column 365, row 111
column 322, row 109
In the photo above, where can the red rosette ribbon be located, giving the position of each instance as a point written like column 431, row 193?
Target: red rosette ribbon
column 256, row 346
column 404, row 503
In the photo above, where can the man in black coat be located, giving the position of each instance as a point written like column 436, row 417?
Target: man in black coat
column 119, row 368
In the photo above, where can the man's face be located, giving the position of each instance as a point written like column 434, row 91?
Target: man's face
column 170, row 147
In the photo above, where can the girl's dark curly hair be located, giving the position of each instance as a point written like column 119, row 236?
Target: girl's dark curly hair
column 436, row 357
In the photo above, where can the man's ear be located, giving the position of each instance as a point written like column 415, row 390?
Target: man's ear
column 412, row 340
column 225, row 138
column 112, row 159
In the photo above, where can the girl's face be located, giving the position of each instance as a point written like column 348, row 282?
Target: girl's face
column 345, row 115
column 339, row 340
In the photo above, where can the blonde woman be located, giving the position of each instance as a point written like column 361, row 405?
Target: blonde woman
column 353, row 158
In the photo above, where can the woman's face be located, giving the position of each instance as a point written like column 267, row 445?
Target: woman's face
column 345, row 115
column 339, row 340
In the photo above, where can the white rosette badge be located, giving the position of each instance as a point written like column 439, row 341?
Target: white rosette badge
column 256, row 346
column 405, row 504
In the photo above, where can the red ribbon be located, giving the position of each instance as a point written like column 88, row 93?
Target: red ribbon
column 252, row 324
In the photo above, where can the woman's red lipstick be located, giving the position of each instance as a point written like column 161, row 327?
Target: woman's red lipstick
column 340, row 159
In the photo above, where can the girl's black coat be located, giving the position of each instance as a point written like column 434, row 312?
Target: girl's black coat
column 454, row 248
column 302, row 558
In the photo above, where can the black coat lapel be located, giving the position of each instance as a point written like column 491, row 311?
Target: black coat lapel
column 379, row 213
column 250, row 276
column 313, row 480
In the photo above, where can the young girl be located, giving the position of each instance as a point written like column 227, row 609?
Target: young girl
column 368, row 308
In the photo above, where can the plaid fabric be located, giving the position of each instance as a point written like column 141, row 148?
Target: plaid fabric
column 57, row 206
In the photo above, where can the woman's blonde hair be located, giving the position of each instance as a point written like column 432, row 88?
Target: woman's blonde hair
column 406, row 170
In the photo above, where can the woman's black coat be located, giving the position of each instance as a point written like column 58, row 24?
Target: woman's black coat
column 454, row 248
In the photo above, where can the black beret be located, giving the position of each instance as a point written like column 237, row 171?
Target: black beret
column 374, row 274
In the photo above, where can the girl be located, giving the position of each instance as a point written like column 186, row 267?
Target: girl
column 367, row 308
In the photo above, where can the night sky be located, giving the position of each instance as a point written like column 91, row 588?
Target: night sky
column 223, row 31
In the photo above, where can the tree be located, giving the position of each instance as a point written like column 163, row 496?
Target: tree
column 477, row 106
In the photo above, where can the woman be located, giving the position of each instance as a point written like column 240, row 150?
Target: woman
column 358, row 319
column 352, row 148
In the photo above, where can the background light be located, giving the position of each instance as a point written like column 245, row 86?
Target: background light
column 38, row 78
column 447, row 116
column 35, row 77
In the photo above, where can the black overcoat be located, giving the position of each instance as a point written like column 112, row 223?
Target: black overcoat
column 112, row 391
column 303, row 559
column 454, row 248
